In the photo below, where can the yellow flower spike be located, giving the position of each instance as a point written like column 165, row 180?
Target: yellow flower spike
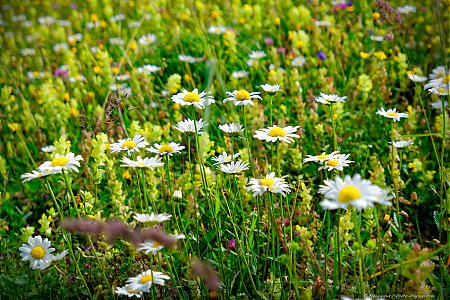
column 131, row 3
column 214, row 15
column 176, row 106
column 94, row 18
column 126, row 175
column 97, row 69
column 380, row 55
column 73, row 112
column 13, row 126
column 66, row 97
column 297, row 227
column 187, row 78
column 115, row 70
column 350, row 8
column 376, row 16
column 277, row 21
column 364, row 55
column 184, row 16
column 386, row 217
column 242, row 20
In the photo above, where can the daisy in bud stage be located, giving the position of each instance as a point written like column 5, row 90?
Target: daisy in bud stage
column 152, row 218
column 224, row 158
column 242, row 97
column 39, row 253
column 271, row 89
column 193, row 98
column 232, row 128
column 144, row 281
column 336, row 162
column 188, row 126
column 168, row 149
column 357, row 192
column 68, row 162
column 129, row 145
column 270, row 183
column 152, row 162
column 274, row 134
column 330, row 99
column 234, row 167
column 391, row 114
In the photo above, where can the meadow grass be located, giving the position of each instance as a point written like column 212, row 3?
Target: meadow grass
column 229, row 150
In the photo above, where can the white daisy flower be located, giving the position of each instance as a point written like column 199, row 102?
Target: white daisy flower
column 298, row 61
column 129, row 145
column 336, row 162
column 188, row 126
column 147, row 39
column 322, row 23
column 194, row 98
column 152, row 162
column 234, row 167
column 391, row 113
column 242, row 97
column 72, row 39
column 27, row 52
column 232, row 128
column 406, row 9
column 271, row 89
column 438, row 72
column 128, row 291
column 377, row 38
column 190, row 59
column 169, row 149
column 48, row 149
column 442, row 90
column 275, row 133
column 148, row 69
column 152, row 246
column 319, row 158
column 177, row 194
column 257, row 54
column 270, row 183
column 68, row 162
column 416, row 78
column 152, row 218
column 46, row 20
column 123, row 77
column 116, row 18
column 401, row 144
column 38, row 174
column 144, row 281
column 224, row 158
column 38, row 253
column 355, row 191
column 217, row 29
column 116, row 41
column 329, row 99
column 438, row 104
column 239, row 74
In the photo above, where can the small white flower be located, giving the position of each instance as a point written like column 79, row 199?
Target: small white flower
column 75, row 38
column 406, row 9
column 391, row 114
column 144, row 281
column 152, row 246
column 37, row 174
column 123, row 77
column 152, row 218
column 129, row 145
column 298, row 61
column 416, row 78
column 275, row 134
column 38, row 253
column 271, row 89
column 190, row 59
column 177, row 194
column 128, row 291
column 442, row 90
column 68, row 162
column 355, row 191
column 116, row 41
column 27, row 51
column 329, row 99
column 402, row 144
column 336, row 162
column 152, row 162
column 169, row 149
column 194, row 98
column 324, row 23
column 438, row 72
column 377, row 38
column 270, row 183
column 438, row 104
column 48, row 149
column 257, row 55
column 234, row 167
column 224, row 158
column 242, row 97
column 217, row 29
column 148, row 69
column 321, row 158
column 147, row 39
column 232, row 128
column 188, row 126
column 239, row 74
column 116, row 18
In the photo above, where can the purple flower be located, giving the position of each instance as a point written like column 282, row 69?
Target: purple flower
column 281, row 50
column 268, row 41
column 73, row 6
column 232, row 245
column 321, row 55
column 61, row 73
column 286, row 222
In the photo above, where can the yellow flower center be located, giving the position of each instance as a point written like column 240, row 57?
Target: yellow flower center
column 156, row 245
column 129, row 145
column 38, row 252
column 333, row 162
column 277, row 131
column 349, row 193
column 228, row 159
column 441, row 90
column 166, row 148
column 59, row 161
column 146, row 278
column 391, row 114
column 322, row 156
column 266, row 181
column 446, row 79
column 242, row 95
column 191, row 97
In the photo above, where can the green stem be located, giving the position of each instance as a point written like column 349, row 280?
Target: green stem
column 359, row 252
